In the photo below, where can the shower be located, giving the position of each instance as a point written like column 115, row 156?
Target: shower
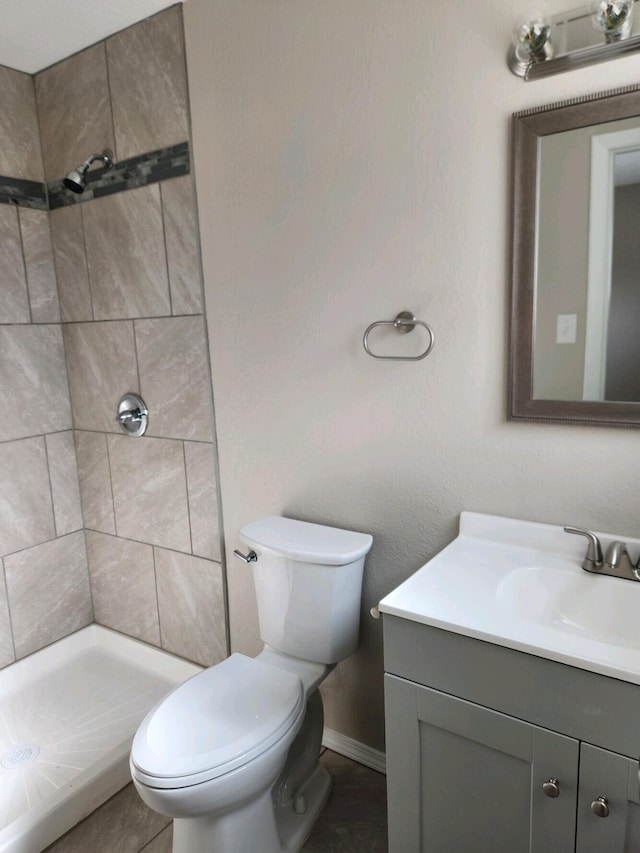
column 76, row 180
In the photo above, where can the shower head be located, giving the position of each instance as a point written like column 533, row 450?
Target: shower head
column 76, row 180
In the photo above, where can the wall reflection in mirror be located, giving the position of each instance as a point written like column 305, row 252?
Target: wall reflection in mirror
column 575, row 331
column 587, row 307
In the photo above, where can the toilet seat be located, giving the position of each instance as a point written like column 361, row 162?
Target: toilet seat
column 217, row 721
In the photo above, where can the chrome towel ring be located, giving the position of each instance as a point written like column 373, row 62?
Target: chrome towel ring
column 405, row 322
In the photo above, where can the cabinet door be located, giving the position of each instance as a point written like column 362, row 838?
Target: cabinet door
column 615, row 779
column 462, row 778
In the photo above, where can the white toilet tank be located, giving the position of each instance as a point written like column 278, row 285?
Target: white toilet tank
column 308, row 580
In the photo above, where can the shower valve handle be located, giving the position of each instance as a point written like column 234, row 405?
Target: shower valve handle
column 133, row 416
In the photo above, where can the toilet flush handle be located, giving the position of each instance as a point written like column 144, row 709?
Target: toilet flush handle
column 251, row 557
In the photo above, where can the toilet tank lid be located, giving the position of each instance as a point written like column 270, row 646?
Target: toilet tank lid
column 306, row 542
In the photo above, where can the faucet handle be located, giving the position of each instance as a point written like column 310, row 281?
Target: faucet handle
column 618, row 563
column 617, row 554
column 593, row 558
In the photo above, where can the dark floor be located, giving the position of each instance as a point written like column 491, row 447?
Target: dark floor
column 355, row 817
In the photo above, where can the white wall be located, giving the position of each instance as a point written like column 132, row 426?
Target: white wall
column 353, row 160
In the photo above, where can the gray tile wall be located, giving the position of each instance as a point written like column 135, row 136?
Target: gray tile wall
column 129, row 283
column 74, row 111
column 44, row 579
column 20, row 152
column 97, row 300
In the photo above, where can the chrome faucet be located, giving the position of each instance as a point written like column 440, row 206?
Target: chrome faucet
column 616, row 562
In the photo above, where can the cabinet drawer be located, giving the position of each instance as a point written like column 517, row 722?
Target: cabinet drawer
column 580, row 704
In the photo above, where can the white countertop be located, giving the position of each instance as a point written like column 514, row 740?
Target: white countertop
column 520, row 585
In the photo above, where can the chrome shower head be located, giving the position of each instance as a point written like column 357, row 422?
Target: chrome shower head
column 76, row 180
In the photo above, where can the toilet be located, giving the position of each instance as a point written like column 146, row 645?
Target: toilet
column 232, row 754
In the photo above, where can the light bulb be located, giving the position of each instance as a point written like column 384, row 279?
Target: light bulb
column 612, row 17
column 531, row 39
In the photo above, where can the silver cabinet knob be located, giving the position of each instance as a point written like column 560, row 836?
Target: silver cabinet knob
column 600, row 807
column 551, row 787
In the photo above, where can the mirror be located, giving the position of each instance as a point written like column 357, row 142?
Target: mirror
column 575, row 315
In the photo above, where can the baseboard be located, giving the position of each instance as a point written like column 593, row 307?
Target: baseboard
column 355, row 750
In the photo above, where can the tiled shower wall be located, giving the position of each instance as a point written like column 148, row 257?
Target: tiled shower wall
column 131, row 312
column 44, row 584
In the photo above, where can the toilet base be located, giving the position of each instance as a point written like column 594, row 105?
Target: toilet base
column 257, row 826
column 247, row 829
column 293, row 828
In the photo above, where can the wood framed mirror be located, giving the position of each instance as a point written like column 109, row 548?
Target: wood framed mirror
column 575, row 309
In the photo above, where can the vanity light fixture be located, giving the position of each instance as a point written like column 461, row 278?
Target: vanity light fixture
column 602, row 30
column 531, row 44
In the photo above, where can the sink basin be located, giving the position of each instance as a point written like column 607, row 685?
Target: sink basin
column 579, row 604
column 520, row 584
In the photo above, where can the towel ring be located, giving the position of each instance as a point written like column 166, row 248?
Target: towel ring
column 405, row 322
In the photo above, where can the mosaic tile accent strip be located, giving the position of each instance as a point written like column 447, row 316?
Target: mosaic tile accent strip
column 128, row 174
column 23, row 193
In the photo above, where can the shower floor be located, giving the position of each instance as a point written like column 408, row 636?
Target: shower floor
column 67, row 718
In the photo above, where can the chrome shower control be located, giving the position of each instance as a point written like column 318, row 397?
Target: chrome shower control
column 133, row 415
column 251, row 557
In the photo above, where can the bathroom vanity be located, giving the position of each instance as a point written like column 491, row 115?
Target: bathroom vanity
column 512, row 690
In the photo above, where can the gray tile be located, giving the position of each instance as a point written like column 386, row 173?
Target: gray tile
column 14, row 306
column 123, row 586
column 33, row 381
column 150, row 491
column 48, row 588
column 162, row 843
column 203, row 499
column 183, row 250
column 174, row 377
column 124, row 824
column 191, row 603
column 74, row 110
column 126, row 255
column 355, row 817
column 95, row 481
column 40, row 269
column 26, row 512
column 67, row 237
column 63, row 472
column 101, row 360
column 148, row 84
column 7, row 653
column 20, row 155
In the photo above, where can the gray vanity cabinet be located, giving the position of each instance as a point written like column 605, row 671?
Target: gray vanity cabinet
column 480, row 738
column 479, row 775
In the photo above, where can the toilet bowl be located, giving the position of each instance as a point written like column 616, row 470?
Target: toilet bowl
column 232, row 754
